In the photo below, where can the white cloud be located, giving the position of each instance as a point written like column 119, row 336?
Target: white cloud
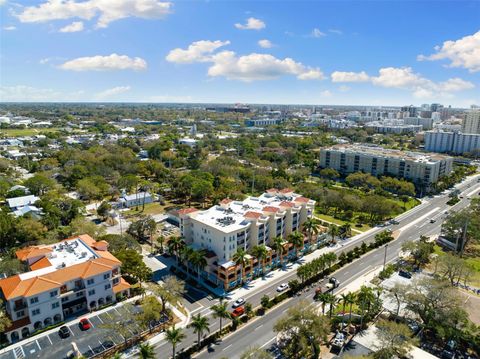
column 73, row 27
column 9, row 28
column 335, row 31
column 3, row 2
column 106, row 11
column 464, row 52
column 259, row 67
column 317, row 33
column 247, row 68
column 252, row 24
column 198, row 51
column 341, row 76
column 455, row 84
column 113, row 92
column 398, row 77
column 27, row 93
column 266, row 44
column 105, row 63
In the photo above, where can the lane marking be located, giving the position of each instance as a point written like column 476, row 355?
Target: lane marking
column 228, row 346
column 258, row 327
column 271, row 340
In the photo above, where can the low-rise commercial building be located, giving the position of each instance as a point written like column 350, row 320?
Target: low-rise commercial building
column 422, row 168
column 63, row 280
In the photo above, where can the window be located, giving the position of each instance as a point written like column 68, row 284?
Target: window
column 55, row 305
column 64, row 299
column 90, row 281
column 79, row 294
column 20, row 313
column 36, row 312
column 91, row 292
column 115, row 281
column 106, row 276
column 53, row 293
column 108, row 286
column 33, row 300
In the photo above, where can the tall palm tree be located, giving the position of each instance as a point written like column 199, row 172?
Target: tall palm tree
column 161, row 242
column 260, row 252
column 350, row 300
column 146, row 351
column 220, row 311
column 240, row 259
column 323, row 298
column 199, row 325
column 278, row 243
column 296, row 239
column 186, row 253
column 365, row 298
column 198, row 260
column 346, row 230
column 312, row 226
column 174, row 245
column 332, row 300
column 174, row 336
column 333, row 230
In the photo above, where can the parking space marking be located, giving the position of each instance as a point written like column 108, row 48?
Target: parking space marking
column 71, row 331
column 100, row 319
column 39, row 347
column 50, row 340
column 91, row 349
column 91, row 323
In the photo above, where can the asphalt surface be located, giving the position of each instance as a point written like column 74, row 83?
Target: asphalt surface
column 259, row 332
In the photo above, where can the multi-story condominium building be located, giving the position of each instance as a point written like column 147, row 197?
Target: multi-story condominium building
column 422, row 168
column 262, row 122
column 393, row 126
column 223, row 229
column 64, row 280
column 452, row 142
column 471, row 124
column 426, row 123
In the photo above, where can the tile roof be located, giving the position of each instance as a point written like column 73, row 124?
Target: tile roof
column 271, row 190
column 120, row 287
column 252, row 214
column 187, row 210
column 226, row 201
column 302, row 199
column 32, row 252
column 41, row 263
column 270, row 209
column 17, row 324
column 286, row 190
column 287, row 204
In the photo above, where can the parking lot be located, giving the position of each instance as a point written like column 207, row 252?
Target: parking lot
column 92, row 341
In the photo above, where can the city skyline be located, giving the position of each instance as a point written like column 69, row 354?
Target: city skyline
column 217, row 52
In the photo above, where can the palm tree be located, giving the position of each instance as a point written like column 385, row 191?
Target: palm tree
column 333, row 230
column 332, row 300
column 365, row 298
column 174, row 336
column 346, row 230
column 220, row 311
column 350, row 300
column 296, row 239
column 260, row 252
column 198, row 260
column 161, row 242
column 240, row 259
column 329, row 258
column 278, row 243
column 146, row 351
column 186, row 253
column 312, row 226
column 174, row 245
column 323, row 298
column 199, row 325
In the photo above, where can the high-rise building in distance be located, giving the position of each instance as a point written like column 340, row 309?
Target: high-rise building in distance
column 471, row 124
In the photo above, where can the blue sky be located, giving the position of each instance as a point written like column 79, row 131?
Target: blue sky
column 313, row 52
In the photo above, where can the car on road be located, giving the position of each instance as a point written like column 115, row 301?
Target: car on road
column 282, row 287
column 239, row 302
column 84, row 324
column 339, row 340
column 405, row 274
column 238, row 312
column 393, row 221
column 433, row 220
column 64, row 332
column 332, row 283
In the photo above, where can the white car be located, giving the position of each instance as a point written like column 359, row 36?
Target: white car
column 282, row 287
column 239, row 302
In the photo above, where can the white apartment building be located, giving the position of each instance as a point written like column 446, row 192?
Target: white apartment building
column 415, row 166
column 231, row 225
column 471, row 124
column 65, row 279
column 451, row 142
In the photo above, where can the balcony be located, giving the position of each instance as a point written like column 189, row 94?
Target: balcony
column 19, row 306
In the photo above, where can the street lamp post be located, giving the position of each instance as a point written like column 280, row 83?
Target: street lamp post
column 385, row 256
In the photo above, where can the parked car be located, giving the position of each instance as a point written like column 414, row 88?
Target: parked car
column 405, row 274
column 64, row 332
column 334, row 281
column 84, row 324
column 282, row 287
column 339, row 340
column 238, row 303
column 433, row 220
column 238, row 312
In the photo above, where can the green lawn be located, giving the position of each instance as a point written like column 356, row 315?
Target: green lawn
column 326, row 217
column 150, row 209
column 19, row 132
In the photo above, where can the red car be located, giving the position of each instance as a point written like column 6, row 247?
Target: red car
column 84, row 324
column 238, row 312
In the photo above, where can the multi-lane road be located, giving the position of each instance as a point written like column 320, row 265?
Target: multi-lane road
column 259, row 332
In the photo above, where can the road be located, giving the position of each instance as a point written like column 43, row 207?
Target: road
column 259, row 332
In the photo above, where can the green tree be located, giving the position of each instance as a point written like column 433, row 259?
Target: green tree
column 5, row 321
column 133, row 265
column 39, row 184
column 278, row 244
column 146, row 351
column 333, row 231
column 174, row 336
column 174, row 246
column 312, row 226
column 200, row 325
column 143, row 228
column 255, row 353
column 151, row 311
column 260, row 252
column 296, row 239
column 394, row 340
column 104, row 209
column 220, row 311
column 240, row 258
column 265, row 301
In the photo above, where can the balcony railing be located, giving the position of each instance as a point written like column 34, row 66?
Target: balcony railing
column 19, row 306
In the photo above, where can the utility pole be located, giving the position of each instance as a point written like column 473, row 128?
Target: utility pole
column 385, row 256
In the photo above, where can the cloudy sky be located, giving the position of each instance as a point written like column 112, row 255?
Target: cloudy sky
column 313, row 52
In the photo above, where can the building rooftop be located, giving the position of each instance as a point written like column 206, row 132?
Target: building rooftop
column 386, row 152
column 232, row 216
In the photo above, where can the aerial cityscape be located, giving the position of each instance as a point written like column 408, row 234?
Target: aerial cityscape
column 239, row 179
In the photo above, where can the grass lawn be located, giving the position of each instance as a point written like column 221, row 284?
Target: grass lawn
column 326, row 217
column 19, row 132
column 150, row 209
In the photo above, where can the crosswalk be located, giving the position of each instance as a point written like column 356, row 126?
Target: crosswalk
column 19, row 353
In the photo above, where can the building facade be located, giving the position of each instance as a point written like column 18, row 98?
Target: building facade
column 64, row 280
column 452, row 142
column 423, row 168
column 471, row 124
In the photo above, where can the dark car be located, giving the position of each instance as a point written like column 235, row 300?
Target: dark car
column 108, row 344
column 64, row 332
column 405, row 274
